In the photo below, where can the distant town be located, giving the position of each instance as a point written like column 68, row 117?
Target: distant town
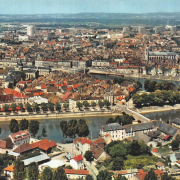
column 77, row 72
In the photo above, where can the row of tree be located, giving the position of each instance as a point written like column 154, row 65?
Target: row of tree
column 123, row 120
column 156, row 98
column 152, row 86
column 74, row 127
column 32, row 126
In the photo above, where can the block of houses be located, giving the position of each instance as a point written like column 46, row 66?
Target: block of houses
column 82, row 145
column 9, row 171
column 77, row 162
column 76, row 173
column 6, row 143
column 160, row 166
column 141, row 175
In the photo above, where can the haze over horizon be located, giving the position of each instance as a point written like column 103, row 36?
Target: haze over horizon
column 93, row 6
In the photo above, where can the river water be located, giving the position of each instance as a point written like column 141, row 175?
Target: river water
column 54, row 132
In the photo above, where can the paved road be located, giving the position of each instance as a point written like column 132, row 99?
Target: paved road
column 136, row 115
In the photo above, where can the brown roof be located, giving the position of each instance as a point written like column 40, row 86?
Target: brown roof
column 23, row 148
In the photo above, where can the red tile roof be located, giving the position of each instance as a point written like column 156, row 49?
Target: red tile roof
column 2, row 144
column 9, row 168
column 20, row 135
column 43, row 86
column 83, row 140
column 99, row 141
column 65, row 96
column 78, row 158
column 76, row 171
column 154, row 150
column 21, row 82
column 75, row 86
column 44, row 144
column 15, row 93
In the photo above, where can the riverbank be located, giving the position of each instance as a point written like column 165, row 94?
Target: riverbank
column 57, row 115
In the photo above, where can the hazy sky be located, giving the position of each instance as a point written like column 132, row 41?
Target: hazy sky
column 76, row 6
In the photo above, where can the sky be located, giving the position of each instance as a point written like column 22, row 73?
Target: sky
column 78, row 6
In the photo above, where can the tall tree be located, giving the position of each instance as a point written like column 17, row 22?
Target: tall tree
column 88, row 155
column 66, row 105
column 86, row 104
column 107, row 103
column 28, row 107
column 44, row 132
column 34, row 127
column 79, row 105
column 104, row 175
column 89, row 177
column 47, row 173
column 93, row 104
column 151, row 175
column 43, row 106
column 19, row 170
column 100, row 103
column 13, row 107
column 165, row 176
column 51, row 106
column 33, row 171
column 5, row 107
column 21, row 105
column 23, row 124
column 58, row 106
column 118, row 163
column 35, row 106
column 13, row 126
column 59, row 174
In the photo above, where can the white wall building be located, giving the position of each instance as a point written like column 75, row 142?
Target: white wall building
column 77, row 162
column 30, row 30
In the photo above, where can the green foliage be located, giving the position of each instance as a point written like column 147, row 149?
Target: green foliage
column 66, row 105
column 118, row 163
column 59, row 173
column 86, row 104
column 88, row 155
column 13, row 126
column 27, row 155
column 165, row 176
column 35, row 106
column 5, row 160
column 33, row 171
column 118, row 150
column 120, row 177
column 79, row 105
column 51, row 106
column 19, row 170
column 104, row 175
column 47, row 173
column 100, row 103
column 93, row 104
column 5, row 107
column 107, row 103
column 28, row 107
column 151, row 175
column 23, row 125
column 44, row 132
column 124, row 120
column 13, row 106
column 43, row 106
column 58, row 106
column 159, row 144
column 20, row 105
column 110, row 45
column 89, row 177
column 34, row 127
column 68, row 167
column 175, row 144
column 74, row 127
column 148, row 69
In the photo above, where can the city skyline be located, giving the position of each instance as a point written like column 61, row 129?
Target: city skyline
column 79, row 6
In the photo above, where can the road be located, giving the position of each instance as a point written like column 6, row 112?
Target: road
column 136, row 115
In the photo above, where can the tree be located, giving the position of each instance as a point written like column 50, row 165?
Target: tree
column 148, row 69
column 175, row 144
column 59, row 174
column 139, row 85
column 163, row 69
column 51, row 106
column 120, row 177
column 93, row 104
column 28, row 107
column 79, row 105
column 13, row 107
column 58, row 106
column 115, row 81
column 82, row 128
column 104, row 175
column 19, row 170
column 101, row 104
column 88, row 155
column 151, row 175
column 35, row 106
column 118, row 163
column 5, row 107
column 33, row 171
column 118, row 150
column 13, row 126
column 107, row 103
column 135, row 148
column 86, row 104
column 34, row 127
column 165, row 176
column 146, row 84
column 89, row 177
column 43, row 106
column 66, row 105
column 21, row 105
column 64, row 127
column 47, row 173
column 44, row 132
column 23, row 125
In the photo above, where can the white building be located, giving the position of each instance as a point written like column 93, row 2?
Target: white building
column 9, row 171
column 23, row 38
column 77, row 162
column 30, row 30
column 76, row 173
column 19, row 138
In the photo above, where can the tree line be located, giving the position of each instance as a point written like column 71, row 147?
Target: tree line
column 152, row 86
column 156, row 98
column 74, row 128
column 123, row 120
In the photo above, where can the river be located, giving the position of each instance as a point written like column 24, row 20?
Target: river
column 54, row 132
